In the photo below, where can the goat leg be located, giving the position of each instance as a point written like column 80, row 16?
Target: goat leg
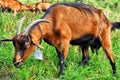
column 95, row 46
column 62, row 51
column 85, row 56
column 106, row 44
column 62, row 62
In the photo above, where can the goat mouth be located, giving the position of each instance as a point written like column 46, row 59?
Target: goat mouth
column 18, row 64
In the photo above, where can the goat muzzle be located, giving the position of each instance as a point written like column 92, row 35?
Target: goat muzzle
column 18, row 63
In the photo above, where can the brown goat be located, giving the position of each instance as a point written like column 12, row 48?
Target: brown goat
column 14, row 5
column 40, row 6
column 69, row 23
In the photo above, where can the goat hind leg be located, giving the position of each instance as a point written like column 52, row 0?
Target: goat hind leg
column 111, row 59
column 85, row 56
column 106, row 44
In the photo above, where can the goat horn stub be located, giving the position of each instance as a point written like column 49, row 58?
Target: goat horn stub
column 19, row 25
column 32, row 25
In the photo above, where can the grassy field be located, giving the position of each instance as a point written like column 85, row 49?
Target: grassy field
column 98, row 68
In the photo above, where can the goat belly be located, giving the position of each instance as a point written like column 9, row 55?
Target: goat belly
column 84, row 40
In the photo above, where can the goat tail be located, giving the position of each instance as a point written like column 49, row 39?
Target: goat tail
column 115, row 25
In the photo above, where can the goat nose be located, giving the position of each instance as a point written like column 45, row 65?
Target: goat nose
column 17, row 64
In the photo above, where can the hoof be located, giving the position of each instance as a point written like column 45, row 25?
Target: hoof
column 83, row 63
column 60, row 75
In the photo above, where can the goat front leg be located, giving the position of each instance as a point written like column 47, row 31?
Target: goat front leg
column 85, row 56
column 62, row 51
column 61, row 62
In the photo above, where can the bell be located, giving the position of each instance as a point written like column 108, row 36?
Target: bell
column 38, row 54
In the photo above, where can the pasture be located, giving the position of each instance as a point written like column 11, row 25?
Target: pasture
column 97, row 69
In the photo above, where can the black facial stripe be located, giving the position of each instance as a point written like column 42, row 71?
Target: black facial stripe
column 21, row 53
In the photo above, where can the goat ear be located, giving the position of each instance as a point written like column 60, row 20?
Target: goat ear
column 9, row 39
column 36, row 43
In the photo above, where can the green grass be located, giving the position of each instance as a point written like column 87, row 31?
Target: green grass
column 98, row 68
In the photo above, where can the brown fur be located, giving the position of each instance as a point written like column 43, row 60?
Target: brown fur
column 40, row 6
column 95, row 45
